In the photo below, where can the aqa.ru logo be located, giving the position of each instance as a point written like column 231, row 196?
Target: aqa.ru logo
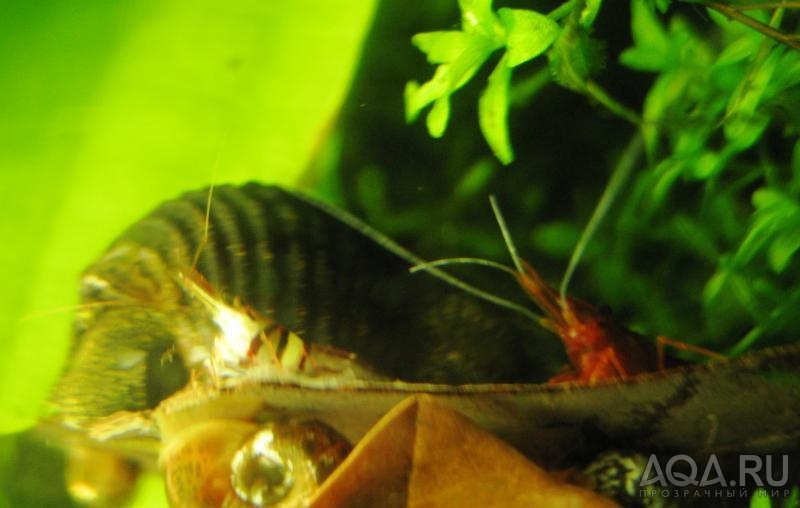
column 749, row 466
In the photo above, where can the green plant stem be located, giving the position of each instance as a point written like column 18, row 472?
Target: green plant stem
column 597, row 93
column 562, row 10
column 523, row 92
column 618, row 180
column 758, row 61
column 746, row 342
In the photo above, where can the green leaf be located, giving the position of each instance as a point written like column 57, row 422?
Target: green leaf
column 684, row 85
column 706, row 165
column 784, row 107
column 529, row 34
column 740, row 49
column 416, row 98
column 743, row 131
column 666, row 90
column 766, row 198
column 744, row 124
column 441, row 47
column 448, row 78
column 526, row 34
column 666, row 174
column 774, row 227
column 477, row 17
column 651, row 42
column 787, row 73
column 793, row 501
column 755, row 242
column 661, row 5
column 493, row 112
column 589, row 13
column 474, row 181
column 574, row 56
column 782, row 250
column 760, row 499
column 715, row 288
column 437, row 117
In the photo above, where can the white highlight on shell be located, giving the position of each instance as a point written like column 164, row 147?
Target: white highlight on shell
column 260, row 475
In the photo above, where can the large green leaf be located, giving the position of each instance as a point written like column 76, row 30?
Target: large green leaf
column 529, row 34
column 108, row 108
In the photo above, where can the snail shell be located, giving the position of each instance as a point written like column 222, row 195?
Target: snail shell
column 236, row 463
column 314, row 270
column 617, row 475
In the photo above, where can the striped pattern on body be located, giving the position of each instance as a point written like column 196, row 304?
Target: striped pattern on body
column 297, row 263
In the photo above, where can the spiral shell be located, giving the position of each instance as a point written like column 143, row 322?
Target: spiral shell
column 234, row 463
column 313, row 270
column 618, row 475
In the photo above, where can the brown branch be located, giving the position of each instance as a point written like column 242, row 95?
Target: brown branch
column 733, row 14
column 766, row 5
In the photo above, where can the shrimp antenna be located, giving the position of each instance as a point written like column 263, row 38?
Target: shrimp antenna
column 618, row 180
column 463, row 261
column 428, row 266
column 412, row 258
column 207, row 219
column 204, row 238
column 501, row 222
column 71, row 308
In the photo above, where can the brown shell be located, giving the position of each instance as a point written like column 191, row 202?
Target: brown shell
column 234, row 463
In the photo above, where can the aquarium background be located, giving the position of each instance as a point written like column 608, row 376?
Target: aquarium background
column 109, row 108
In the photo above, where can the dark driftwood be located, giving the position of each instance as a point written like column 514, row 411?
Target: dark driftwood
column 745, row 405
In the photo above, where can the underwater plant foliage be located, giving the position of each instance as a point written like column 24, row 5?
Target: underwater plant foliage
column 115, row 107
column 701, row 239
